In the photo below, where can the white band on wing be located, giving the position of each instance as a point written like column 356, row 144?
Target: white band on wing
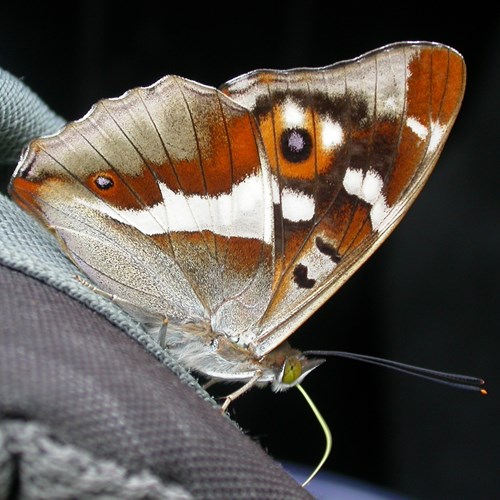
column 244, row 212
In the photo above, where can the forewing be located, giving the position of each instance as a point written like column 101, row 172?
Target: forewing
column 350, row 147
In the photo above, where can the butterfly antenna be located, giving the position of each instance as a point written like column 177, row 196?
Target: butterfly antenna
column 455, row 380
column 326, row 430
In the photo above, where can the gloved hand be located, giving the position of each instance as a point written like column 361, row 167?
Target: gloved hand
column 89, row 405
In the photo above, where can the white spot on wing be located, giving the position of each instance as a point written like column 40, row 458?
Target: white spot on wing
column 437, row 132
column 417, row 128
column 297, row 206
column 353, row 180
column 293, row 115
column 371, row 190
column 378, row 213
column 332, row 134
column 368, row 188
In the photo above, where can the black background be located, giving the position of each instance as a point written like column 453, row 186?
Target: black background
column 430, row 294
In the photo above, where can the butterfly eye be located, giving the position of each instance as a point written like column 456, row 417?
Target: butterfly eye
column 296, row 145
column 292, row 370
column 103, row 182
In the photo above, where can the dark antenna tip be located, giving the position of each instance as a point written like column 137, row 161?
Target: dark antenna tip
column 455, row 380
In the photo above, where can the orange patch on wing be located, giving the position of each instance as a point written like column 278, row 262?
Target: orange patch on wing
column 266, row 127
column 324, row 159
column 215, row 158
column 363, row 234
column 435, row 90
column 293, row 245
column 228, row 153
column 406, row 163
column 358, row 228
column 453, row 86
column 166, row 174
column 26, row 193
column 190, row 177
column 336, row 222
column 418, row 98
column 245, row 156
column 244, row 255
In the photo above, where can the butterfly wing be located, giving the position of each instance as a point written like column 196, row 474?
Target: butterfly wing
column 163, row 198
column 248, row 211
column 350, row 147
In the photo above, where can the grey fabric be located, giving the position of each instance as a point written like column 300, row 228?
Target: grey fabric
column 62, row 471
column 80, row 379
column 23, row 116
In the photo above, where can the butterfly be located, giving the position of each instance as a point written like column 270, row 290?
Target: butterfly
column 222, row 219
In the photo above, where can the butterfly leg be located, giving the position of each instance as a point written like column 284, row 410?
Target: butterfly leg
column 244, row 388
column 162, row 336
column 110, row 296
column 210, row 383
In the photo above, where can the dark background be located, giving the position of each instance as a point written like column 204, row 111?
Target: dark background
column 430, row 294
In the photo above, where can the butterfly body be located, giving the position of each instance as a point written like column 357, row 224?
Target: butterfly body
column 222, row 219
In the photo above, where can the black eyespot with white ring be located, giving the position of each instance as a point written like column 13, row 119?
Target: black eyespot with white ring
column 296, row 144
column 104, row 182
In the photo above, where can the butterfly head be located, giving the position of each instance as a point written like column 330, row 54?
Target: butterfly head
column 290, row 367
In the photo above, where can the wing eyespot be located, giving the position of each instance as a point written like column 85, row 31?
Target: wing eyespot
column 103, row 182
column 296, row 145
